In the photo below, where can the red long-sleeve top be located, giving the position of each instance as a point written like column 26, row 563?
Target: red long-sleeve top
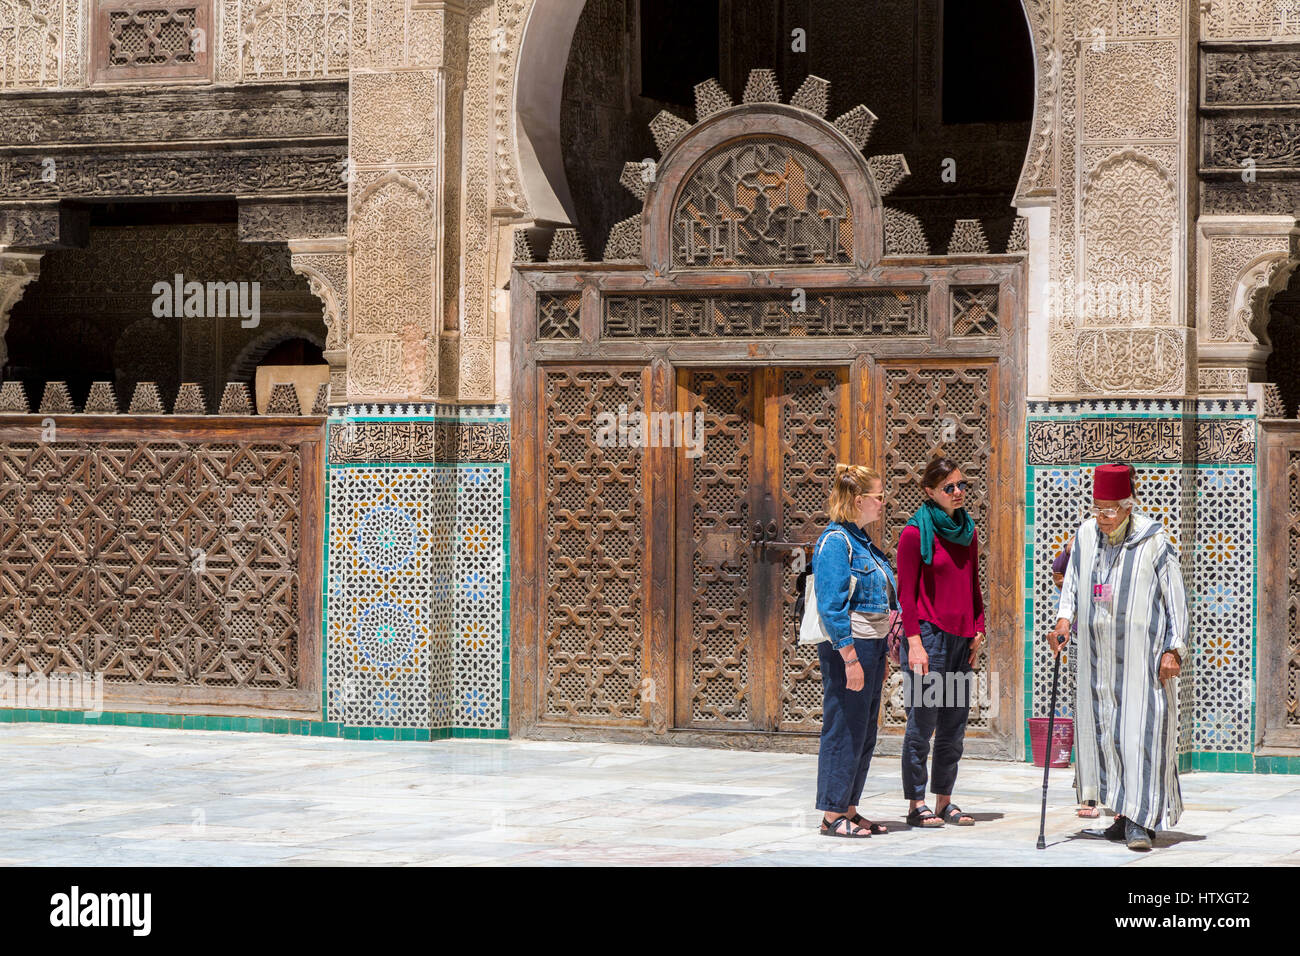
column 945, row 592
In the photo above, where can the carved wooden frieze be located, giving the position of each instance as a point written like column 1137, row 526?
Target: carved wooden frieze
column 311, row 169
column 1269, row 142
column 281, row 111
column 1252, row 76
column 43, row 226
column 280, row 220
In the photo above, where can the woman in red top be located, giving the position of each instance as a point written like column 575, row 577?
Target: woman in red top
column 943, row 620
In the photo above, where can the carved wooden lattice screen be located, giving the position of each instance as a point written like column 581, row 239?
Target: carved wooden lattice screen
column 593, row 538
column 181, row 564
column 927, row 410
column 771, row 441
column 717, row 647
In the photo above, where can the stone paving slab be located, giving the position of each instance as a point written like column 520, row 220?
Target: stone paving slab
column 124, row 796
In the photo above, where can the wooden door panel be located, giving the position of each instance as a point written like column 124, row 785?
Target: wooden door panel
column 811, row 436
column 925, row 409
column 716, row 590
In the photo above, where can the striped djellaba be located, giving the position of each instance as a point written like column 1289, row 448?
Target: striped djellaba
column 1126, row 719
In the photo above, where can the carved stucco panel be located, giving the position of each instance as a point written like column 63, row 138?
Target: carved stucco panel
column 392, row 259
column 327, row 275
column 1129, row 231
column 1131, row 90
column 284, row 39
column 1229, row 318
column 1133, row 361
column 1250, row 19
column 395, row 117
column 31, row 41
column 1107, row 19
column 375, row 368
column 1222, row 379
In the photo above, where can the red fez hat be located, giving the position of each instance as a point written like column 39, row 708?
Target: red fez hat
column 1112, row 483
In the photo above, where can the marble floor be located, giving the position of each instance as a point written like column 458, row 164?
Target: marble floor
column 88, row 796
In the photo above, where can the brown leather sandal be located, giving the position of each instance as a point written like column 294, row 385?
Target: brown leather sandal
column 843, row 827
column 876, row 828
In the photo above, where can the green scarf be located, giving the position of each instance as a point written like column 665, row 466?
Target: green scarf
column 930, row 520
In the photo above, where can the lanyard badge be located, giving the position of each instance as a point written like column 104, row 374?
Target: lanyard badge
column 1102, row 593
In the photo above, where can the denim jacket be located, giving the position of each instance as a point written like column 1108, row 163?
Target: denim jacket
column 840, row 549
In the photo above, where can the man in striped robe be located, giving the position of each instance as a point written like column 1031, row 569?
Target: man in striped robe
column 1125, row 588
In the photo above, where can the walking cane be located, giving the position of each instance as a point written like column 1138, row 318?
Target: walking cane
column 1047, row 757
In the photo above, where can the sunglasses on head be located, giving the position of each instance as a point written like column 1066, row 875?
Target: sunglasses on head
column 952, row 486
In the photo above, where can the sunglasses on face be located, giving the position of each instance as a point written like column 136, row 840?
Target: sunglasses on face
column 962, row 486
column 1104, row 512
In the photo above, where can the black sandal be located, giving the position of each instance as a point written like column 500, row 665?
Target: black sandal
column 851, row 830
column 875, row 828
column 952, row 814
column 922, row 817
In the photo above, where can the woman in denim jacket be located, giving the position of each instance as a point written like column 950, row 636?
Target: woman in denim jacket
column 853, row 660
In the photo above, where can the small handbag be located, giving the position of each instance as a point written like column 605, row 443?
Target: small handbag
column 894, row 639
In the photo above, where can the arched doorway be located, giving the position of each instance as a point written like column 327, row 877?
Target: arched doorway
column 766, row 299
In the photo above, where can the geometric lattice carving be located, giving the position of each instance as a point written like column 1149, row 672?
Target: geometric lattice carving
column 888, row 170
column 624, row 243
column 931, row 411
column 904, row 235
column 189, row 400
column 101, row 400
column 1018, row 241
column 56, row 399
column 146, row 400
column 523, row 249
column 715, row 631
column 236, row 400
column 967, row 237
column 636, row 178
column 813, row 96
column 321, row 404
column 594, row 529
column 762, row 87
column 557, row 315
column 13, row 398
column 710, row 98
column 809, row 435
column 859, row 312
column 190, row 578
column 762, row 202
column 1273, row 404
column 975, row 310
column 567, row 246
column 857, row 124
column 283, row 400
column 667, row 128
column 151, row 37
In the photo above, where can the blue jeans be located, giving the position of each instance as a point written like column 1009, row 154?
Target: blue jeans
column 849, row 721
column 937, row 706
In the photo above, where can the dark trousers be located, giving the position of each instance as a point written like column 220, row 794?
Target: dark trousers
column 937, row 706
column 848, row 725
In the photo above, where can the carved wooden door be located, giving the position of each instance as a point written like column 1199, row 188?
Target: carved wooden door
column 755, row 491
